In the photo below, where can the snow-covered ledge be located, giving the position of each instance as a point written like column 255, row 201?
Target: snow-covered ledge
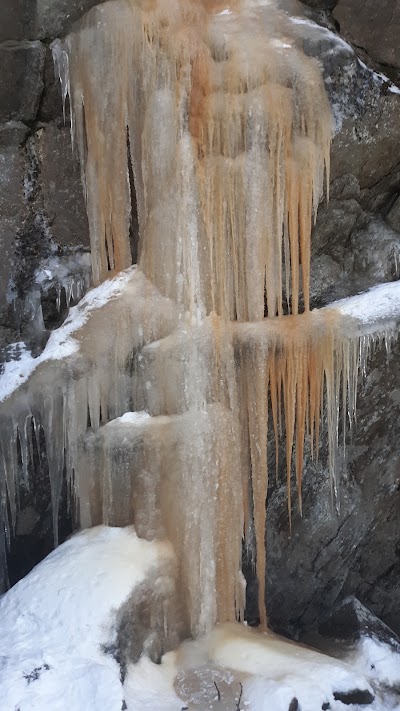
column 375, row 310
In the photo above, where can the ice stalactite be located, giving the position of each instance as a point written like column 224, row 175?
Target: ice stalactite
column 225, row 126
column 229, row 131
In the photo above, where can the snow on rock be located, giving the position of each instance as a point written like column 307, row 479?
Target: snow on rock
column 237, row 667
column 62, row 342
column 380, row 306
column 54, row 622
column 377, row 659
column 150, row 687
column 277, row 669
column 133, row 418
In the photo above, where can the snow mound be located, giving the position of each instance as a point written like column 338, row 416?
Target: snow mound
column 55, row 621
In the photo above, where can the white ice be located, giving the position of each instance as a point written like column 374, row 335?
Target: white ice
column 133, row 418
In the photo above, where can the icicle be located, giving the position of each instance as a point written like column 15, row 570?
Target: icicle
column 250, row 181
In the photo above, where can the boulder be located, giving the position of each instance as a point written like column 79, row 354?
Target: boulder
column 350, row 620
column 373, row 26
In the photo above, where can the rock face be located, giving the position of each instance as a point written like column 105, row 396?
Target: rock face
column 42, row 209
column 373, row 27
column 40, row 19
column 356, row 244
column 21, row 83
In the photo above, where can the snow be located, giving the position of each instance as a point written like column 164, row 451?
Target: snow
column 150, row 687
column 377, row 659
column 281, row 668
column 376, row 307
column 55, row 620
column 133, row 418
column 56, row 623
column 380, row 77
column 62, row 343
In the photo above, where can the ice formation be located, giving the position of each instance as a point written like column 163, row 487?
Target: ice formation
column 225, row 125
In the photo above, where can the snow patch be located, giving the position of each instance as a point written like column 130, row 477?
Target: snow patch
column 379, row 305
column 133, row 418
column 54, row 622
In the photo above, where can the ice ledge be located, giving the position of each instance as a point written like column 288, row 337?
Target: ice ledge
column 373, row 312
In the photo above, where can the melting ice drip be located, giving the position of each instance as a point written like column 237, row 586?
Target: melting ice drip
column 226, row 126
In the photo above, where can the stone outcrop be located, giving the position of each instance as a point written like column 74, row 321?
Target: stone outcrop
column 332, row 553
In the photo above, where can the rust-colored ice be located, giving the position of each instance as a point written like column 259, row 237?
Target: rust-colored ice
column 229, row 132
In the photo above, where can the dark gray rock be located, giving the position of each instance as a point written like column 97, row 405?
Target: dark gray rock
column 150, row 621
column 15, row 19
column 355, row 243
column 54, row 18
column 350, row 621
column 393, row 216
column 320, row 4
column 21, row 80
column 40, row 19
column 13, row 133
column 13, row 207
column 374, row 26
column 358, row 697
column 61, row 190
column 51, row 107
column 365, row 147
